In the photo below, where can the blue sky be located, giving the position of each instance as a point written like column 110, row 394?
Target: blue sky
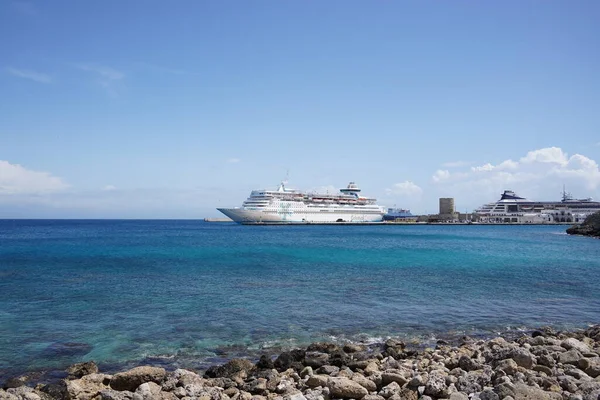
column 156, row 109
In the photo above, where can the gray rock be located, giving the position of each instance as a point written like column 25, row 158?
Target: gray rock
column 523, row 358
column 24, row 393
column 87, row 387
column 570, row 357
column 328, row 370
column 508, row 366
column 388, row 377
column 389, row 390
column 315, row 359
column 345, row 388
column 458, row 396
column 130, row 380
column 316, row 381
column 295, row 396
column 364, row 382
column 488, row 395
column 373, row 397
column 353, row 348
column 544, row 369
column 306, row 371
column 591, row 366
column 110, row 394
column 436, row 385
column 80, row 369
column 468, row 364
column 572, row 343
column 147, row 391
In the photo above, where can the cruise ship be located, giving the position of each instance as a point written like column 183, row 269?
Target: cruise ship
column 286, row 206
column 512, row 208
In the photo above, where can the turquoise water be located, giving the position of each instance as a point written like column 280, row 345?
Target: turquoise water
column 188, row 293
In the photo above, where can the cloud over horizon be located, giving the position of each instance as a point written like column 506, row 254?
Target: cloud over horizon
column 539, row 173
column 16, row 179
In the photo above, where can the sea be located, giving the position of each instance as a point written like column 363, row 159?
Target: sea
column 192, row 294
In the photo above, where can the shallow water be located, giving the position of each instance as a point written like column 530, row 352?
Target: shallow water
column 188, row 292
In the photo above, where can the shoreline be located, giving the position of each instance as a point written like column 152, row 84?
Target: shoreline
column 540, row 363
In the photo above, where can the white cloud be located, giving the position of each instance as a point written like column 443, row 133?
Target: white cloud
column 441, row 175
column 540, row 174
column 546, row 155
column 456, row 164
column 107, row 77
column 406, row 188
column 109, row 188
column 28, row 74
column 233, row 160
column 15, row 179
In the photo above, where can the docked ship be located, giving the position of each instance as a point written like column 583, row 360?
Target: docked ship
column 398, row 214
column 512, row 208
column 286, row 205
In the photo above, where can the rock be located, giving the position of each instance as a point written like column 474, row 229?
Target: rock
column 87, row 387
column 388, row 377
column 16, row 382
column 523, row 358
column 110, row 394
column 147, row 391
column 323, row 347
column 130, row 380
column 306, row 371
column 523, row 392
column 589, row 227
column 591, row 366
column 327, row 370
column 265, row 363
column 373, row 397
column 353, row 348
column 316, row 381
column 389, row 390
column 572, row 343
column 315, row 359
column 345, row 388
column 233, row 368
column 458, row 396
column 78, row 370
column 544, row 369
column 508, row 366
column 468, row 364
column 488, row 395
column 436, row 385
column 364, row 382
column 295, row 396
column 24, row 393
column 570, row 357
column 290, row 359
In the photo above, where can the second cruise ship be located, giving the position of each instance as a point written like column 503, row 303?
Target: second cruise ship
column 286, row 205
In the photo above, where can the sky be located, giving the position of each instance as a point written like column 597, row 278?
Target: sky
column 160, row 109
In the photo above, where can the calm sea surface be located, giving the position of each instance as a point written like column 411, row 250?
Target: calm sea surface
column 187, row 293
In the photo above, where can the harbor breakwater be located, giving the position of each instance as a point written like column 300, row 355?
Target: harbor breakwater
column 543, row 365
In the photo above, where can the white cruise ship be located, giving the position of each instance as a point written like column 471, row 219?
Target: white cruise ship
column 514, row 209
column 292, row 206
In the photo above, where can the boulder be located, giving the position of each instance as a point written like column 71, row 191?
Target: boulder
column 589, row 227
column 346, row 388
column 436, row 385
column 147, row 391
column 130, row 380
column 572, row 343
column 233, row 368
column 364, row 382
column 78, row 370
column 523, row 357
column 87, row 387
column 570, row 357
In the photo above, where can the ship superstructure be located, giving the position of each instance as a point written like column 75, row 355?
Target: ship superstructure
column 512, row 208
column 286, row 205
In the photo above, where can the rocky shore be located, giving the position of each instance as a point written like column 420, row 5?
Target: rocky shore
column 541, row 365
column 589, row 227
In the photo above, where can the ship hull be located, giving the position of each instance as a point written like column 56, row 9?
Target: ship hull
column 244, row 216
